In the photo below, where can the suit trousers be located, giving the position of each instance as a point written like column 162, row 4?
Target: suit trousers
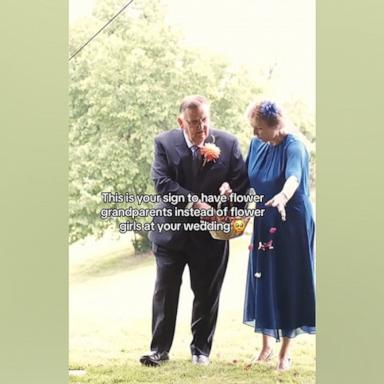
column 207, row 260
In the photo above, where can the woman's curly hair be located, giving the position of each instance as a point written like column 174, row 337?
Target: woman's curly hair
column 265, row 110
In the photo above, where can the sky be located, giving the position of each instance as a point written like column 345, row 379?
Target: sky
column 260, row 35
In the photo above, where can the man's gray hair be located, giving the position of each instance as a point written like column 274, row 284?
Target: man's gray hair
column 193, row 101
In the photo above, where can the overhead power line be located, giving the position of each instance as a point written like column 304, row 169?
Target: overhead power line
column 101, row 29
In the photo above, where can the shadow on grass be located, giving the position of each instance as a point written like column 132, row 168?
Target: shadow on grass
column 110, row 264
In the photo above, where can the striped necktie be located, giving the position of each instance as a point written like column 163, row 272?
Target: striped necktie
column 196, row 159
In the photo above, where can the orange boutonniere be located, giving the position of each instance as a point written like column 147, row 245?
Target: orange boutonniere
column 210, row 152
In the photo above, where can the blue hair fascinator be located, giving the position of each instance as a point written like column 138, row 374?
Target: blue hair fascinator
column 269, row 110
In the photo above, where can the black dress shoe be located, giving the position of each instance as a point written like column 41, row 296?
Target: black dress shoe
column 154, row 359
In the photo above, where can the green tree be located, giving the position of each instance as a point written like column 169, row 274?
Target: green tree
column 125, row 87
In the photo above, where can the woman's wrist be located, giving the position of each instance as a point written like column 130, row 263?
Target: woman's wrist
column 285, row 195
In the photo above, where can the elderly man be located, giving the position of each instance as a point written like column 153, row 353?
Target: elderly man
column 182, row 166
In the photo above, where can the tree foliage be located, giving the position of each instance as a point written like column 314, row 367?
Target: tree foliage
column 125, row 87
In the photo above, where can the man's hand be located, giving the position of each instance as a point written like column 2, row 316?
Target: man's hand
column 225, row 189
column 201, row 205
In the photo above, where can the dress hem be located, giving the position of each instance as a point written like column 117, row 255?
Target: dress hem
column 277, row 333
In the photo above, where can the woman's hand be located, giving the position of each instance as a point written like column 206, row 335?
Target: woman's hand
column 279, row 201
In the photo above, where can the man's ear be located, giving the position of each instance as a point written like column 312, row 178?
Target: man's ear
column 180, row 122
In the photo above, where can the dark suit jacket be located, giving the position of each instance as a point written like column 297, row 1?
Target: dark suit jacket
column 172, row 173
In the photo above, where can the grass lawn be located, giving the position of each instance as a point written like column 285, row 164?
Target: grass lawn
column 110, row 324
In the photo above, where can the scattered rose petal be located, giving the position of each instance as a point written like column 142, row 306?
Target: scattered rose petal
column 258, row 275
column 265, row 246
column 272, row 230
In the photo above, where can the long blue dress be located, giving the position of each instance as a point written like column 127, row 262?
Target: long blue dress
column 280, row 290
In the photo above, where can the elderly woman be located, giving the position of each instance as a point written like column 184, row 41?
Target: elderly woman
column 280, row 291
